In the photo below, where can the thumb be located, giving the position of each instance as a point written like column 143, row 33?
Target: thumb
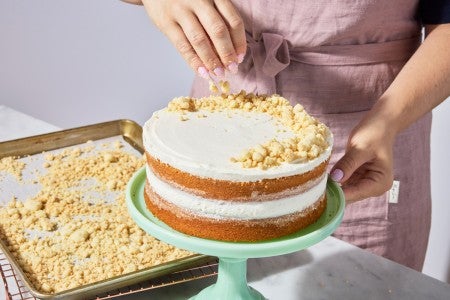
column 348, row 164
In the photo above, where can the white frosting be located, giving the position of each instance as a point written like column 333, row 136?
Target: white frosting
column 204, row 146
column 221, row 209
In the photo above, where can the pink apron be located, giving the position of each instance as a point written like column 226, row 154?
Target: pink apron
column 336, row 59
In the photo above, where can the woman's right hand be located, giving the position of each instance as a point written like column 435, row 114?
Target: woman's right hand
column 209, row 34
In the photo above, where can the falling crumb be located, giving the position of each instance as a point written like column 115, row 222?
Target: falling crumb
column 212, row 87
column 224, row 87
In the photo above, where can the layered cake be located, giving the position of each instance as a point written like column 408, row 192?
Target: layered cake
column 238, row 167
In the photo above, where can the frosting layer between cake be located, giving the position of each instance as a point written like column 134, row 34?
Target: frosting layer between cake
column 222, row 209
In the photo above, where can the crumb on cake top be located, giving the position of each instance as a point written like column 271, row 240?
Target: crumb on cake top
column 310, row 136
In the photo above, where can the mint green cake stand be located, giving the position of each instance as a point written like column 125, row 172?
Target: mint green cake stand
column 232, row 277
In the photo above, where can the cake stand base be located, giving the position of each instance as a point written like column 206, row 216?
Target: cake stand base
column 232, row 277
column 231, row 282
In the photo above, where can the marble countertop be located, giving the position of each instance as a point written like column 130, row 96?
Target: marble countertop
column 332, row 269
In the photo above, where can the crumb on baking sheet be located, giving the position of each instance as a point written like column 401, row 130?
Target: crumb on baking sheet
column 12, row 166
column 67, row 234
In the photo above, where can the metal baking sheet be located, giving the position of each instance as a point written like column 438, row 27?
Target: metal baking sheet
column 124, row 130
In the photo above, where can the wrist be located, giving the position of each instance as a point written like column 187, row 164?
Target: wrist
column 388, row 116
column 371, row 134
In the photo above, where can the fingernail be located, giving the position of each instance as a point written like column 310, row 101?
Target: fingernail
column 240, row 57
column 233, row 68
column 203, row 72
column 337, row 175
column 219, row 72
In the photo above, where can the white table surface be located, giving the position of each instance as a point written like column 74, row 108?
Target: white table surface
column 331, row 269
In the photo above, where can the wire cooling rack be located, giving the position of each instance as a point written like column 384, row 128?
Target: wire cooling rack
column 16, row 290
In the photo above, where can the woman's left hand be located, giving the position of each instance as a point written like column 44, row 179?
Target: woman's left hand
column 366, row 169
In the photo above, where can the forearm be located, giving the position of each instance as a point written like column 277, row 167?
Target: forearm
column 422, row 84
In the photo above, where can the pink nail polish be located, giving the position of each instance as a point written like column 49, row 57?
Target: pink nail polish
column 240, row 57
column 337, row 175
column 233, row 68
column 219, row 72
column 203, row 72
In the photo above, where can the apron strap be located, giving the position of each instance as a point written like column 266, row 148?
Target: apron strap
column 359, row 54
column 271, row 54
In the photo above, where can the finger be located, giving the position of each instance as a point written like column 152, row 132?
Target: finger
column 358, row 191
column 200, row 42
column 218, row 33
column 184, row 47
column 236, row 27
column 356, row 176
column 349, row 163
column 362, row 186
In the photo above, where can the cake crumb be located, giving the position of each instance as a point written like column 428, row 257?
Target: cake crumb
column 13, row 166
column 224, row 87
column 108, row 157
column 310, row 136
column 118, row 145
column 212, row 87
column 64, row 236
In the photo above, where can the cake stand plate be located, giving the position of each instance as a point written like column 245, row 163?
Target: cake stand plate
column 231, row 282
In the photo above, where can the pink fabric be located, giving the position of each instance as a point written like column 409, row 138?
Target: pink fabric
column 336, row 59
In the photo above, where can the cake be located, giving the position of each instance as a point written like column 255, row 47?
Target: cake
column 236, row 167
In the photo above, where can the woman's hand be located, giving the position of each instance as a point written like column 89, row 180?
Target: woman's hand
column 366, row 169
column 209, row 34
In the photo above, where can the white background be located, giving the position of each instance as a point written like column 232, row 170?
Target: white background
column 74, row 63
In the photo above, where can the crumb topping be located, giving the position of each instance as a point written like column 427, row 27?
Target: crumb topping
column 79, row 237
column 310, row 136
column 12, row 166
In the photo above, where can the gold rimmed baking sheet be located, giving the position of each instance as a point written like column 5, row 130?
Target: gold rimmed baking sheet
column 33, row 149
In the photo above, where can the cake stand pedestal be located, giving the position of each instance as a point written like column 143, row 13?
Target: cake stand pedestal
column 232, row 277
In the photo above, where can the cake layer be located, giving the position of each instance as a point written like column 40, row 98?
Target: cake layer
column 236, row 167
column 204, row 144
column 231, row 230
column 233, row 190
column 246, row 210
